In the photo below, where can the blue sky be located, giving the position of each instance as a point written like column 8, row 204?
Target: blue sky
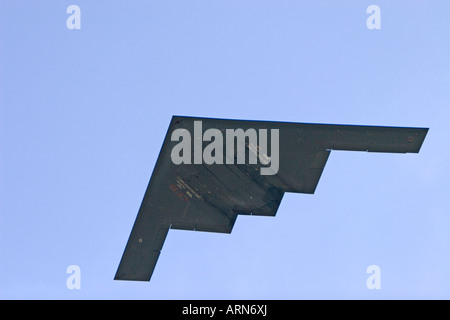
column 83, row 114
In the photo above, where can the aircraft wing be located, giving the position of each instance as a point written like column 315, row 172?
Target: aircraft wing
column 208, row 197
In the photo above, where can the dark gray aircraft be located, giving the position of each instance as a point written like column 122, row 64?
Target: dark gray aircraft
column 211, row 170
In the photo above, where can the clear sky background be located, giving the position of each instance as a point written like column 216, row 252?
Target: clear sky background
column 83, row 114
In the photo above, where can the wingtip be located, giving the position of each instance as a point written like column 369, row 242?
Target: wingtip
column 418, row 140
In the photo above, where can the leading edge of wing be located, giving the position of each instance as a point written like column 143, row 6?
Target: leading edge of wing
column 320, row 136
